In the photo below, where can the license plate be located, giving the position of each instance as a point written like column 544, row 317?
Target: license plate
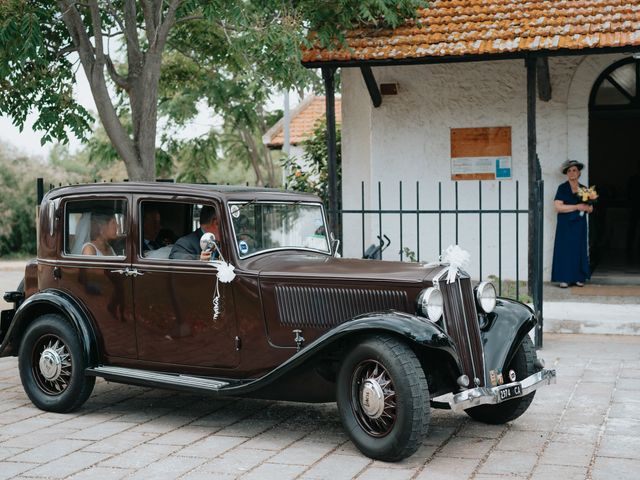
column 510, row 392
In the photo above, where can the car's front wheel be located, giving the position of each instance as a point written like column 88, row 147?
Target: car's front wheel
column 523, row 364
column 52, row 365
column 383, row 398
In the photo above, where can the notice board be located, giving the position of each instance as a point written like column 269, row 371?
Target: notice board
column 481, row 153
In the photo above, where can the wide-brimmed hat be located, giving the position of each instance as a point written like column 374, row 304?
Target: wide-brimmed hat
column 571, row 163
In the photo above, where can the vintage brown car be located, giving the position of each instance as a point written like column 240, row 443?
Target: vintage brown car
column 274, row 313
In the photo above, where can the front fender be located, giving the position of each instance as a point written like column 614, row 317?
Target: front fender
column 418, row 332
column 51, row 301
column 506, row 326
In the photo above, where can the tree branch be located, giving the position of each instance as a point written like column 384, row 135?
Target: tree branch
column 76, row 29
column 97, row 32
column 95, row 75
column 131, row 31
column 189, row 18
column 114, row 14
column 118, row 79
column 163, row 30
column 149, row 20
column 62, row 52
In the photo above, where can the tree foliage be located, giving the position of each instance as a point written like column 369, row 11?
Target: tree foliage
column 121, row 46
column 311, row 174
column 18, row 194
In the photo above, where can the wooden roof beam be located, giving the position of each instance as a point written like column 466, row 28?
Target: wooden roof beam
column 372, row 85
column 544, row 79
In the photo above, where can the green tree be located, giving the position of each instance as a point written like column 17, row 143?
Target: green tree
column 120, row 45
column 311, row 173
column 18, row 194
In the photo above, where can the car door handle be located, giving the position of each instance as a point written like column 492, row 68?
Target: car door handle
column 128, row 272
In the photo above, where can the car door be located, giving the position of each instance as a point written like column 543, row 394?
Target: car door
column 98, row 281
column 175, row 319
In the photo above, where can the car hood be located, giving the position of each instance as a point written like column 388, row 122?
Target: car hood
column 311, row 265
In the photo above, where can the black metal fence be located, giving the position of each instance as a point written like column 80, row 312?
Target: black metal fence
column 462, row 214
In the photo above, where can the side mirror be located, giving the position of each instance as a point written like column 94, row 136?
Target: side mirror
column 335, row 245
column 208, row 242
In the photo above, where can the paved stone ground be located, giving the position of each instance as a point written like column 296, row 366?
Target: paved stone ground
column 584, row 427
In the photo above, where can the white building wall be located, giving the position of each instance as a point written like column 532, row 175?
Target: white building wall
column 356, row 147
column 407, row 139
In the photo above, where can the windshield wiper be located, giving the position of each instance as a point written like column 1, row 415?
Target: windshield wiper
column 241, row 207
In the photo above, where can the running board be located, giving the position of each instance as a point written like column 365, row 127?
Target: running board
column 157, row 379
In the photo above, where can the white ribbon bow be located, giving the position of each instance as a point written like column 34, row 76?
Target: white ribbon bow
column 457, row 258
column 226, row 272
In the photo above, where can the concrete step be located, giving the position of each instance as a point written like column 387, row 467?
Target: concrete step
column 595, row 318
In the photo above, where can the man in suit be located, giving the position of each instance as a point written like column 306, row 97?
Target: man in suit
column 188, row 247
column 151, row 225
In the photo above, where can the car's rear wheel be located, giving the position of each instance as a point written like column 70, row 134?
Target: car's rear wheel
column 383, row 398
column 523, row 364
column 52, row 365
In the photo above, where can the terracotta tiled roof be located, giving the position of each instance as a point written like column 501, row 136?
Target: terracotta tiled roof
column 303, row 122
column 475, row 27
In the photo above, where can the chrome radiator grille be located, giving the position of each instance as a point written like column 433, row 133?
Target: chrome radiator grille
column 318, row 307
column 461, row 323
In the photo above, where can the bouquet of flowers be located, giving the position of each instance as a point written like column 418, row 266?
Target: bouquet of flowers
column 587, row 195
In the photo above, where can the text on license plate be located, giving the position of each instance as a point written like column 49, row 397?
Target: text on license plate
column 510, row 392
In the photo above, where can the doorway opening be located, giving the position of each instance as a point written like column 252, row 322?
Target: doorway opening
column 614, row 168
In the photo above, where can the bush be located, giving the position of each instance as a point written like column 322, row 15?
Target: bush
column 17, row 213
column 311, row 173
column 18, row 198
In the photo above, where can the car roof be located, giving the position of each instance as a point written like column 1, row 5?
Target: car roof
column 221, row 192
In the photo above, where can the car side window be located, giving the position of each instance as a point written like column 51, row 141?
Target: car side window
column 95, row 228
column 158, row 223
column 172, row 230
column 204, row 219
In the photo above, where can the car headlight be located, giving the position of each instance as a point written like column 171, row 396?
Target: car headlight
column 486, row 297
column 430, row 304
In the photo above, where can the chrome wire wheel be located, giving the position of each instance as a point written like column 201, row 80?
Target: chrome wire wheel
column 51, row 364
column 373, row 398
column 383, row 397
column 52, row 361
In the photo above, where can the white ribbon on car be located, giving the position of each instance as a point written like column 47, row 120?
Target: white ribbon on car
column 457, row 258
column 225, row 274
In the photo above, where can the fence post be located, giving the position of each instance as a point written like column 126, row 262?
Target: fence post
column 330, row 107
column 537, row 265
column 39, row 190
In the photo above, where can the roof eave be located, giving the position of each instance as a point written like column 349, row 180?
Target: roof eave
column 629, row 49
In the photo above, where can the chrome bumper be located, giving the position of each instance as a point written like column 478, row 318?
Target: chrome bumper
column 493, row 395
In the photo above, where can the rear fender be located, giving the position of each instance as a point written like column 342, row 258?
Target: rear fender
column 506, row 327
column 51, row 301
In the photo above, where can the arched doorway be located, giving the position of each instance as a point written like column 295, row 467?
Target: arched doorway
column 614, row 167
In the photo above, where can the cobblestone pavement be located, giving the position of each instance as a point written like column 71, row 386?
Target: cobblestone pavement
column 586, row 426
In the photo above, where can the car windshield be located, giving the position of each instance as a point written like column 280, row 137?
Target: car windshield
column 261, row 226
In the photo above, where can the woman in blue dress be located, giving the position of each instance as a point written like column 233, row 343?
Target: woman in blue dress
column 570, row 252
